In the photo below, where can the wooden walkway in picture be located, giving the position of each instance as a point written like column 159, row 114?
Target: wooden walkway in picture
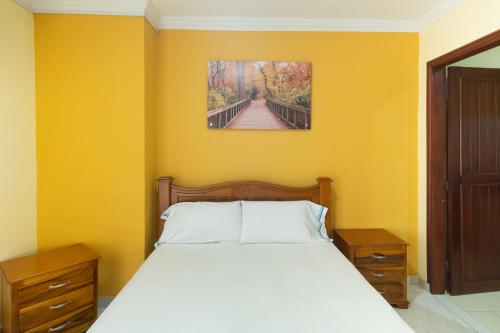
column 257, row 116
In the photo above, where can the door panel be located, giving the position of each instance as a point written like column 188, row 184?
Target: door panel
column 474, row 179
column 482, row 251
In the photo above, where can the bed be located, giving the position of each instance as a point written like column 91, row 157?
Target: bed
column 231, row 287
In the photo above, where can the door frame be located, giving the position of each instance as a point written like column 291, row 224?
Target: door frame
column 437, row 196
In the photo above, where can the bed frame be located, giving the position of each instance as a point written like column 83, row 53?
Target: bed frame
column 169, row 194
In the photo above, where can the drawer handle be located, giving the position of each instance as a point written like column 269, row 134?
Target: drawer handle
column 378, row 255
column 60, row 285
column 60, row 305
column 377, row 274
column 60, row 327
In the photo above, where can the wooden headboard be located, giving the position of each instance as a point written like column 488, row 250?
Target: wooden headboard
column 169, row 194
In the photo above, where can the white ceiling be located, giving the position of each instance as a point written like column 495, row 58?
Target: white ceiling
column 277, row 15
column 309, row 9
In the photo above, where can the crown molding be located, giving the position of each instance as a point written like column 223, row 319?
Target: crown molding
column 96, row 7
column 275, row 24
column 152, row 14
column 436, row 13
column 147, row 9
column 280, row 24
column 99, row 7
column 27, row 4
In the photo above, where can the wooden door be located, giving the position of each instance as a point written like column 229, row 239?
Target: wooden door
column 473, row 180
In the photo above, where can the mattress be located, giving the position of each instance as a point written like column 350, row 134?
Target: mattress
column 215, row 288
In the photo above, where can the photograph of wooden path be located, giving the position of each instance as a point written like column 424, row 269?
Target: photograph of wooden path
column 259, row 95
column 257, row 115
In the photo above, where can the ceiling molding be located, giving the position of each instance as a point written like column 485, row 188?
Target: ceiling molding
column 436, row 13
column 152, row 15
column 27, row 4
column 147, row 9
column 98, row 7
column 275, row 24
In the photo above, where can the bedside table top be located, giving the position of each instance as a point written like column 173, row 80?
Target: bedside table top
column 45, row 262
column 368, row 237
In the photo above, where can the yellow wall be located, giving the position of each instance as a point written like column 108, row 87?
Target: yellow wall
column 17, row 132
column 91, row 138
column 151, row 48
column 364, row 121
column 470, row 21
column 118, row 105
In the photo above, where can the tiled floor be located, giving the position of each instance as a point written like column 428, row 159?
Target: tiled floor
column 427, row 314
column 484, row 307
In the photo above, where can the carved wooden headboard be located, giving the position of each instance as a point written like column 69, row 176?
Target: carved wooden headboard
column 169, row 194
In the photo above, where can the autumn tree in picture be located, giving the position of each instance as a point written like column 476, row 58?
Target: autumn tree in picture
column 259, row 94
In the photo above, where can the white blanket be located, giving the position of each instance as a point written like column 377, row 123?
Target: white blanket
column 240, row 288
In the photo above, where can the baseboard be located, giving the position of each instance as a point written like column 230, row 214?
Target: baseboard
column 103, row 301
column 413, row 279
column 424, row 285
column 419, row 282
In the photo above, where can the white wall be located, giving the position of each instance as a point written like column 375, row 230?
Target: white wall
column 486, row 59
column 17, row 132
column 468, row 22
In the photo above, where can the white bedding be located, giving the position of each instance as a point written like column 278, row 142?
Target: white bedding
column 240, row 288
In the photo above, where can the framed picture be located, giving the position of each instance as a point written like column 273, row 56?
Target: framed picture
column 259, row 95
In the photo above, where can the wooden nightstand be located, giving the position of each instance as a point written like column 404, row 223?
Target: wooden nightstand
column 54, row 291
column 380, row 257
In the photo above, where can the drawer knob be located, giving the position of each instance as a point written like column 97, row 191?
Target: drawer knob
column 378, row 255
column 60, row 305
column 60, row 285
column 60, row 327
column 377, row 274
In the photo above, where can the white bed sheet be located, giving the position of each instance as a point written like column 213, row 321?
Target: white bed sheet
column 240, row 288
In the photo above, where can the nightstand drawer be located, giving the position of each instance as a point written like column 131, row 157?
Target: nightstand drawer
column 52, row 291
column 388, row 274
column 379, row 256
column 75, row 322
column 66, row 280
column 53, row 308
column 390, row 291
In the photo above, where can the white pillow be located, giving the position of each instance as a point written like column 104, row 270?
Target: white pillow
column 282, row 222
column 202, row 222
